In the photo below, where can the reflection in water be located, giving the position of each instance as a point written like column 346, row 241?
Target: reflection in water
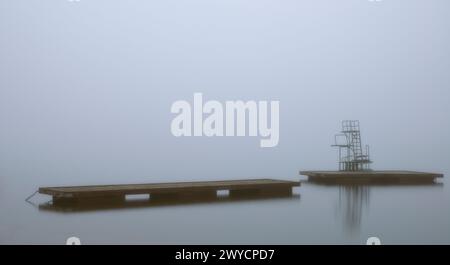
column 353, row 200
column 160, row 202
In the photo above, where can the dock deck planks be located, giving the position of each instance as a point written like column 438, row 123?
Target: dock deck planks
column 201, row 188
column 371, row 176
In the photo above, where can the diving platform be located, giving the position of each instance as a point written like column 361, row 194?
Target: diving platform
column 371, row 176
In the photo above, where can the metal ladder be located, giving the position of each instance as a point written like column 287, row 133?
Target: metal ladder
column 355, row 159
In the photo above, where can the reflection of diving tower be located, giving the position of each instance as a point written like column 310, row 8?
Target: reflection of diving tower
column 351, row 155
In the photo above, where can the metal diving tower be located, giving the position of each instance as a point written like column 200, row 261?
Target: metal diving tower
column 352, row 157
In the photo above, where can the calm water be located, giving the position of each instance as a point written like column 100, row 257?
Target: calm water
column 315, row 214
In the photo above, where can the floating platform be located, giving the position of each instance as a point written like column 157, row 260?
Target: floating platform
column 164, row 191
column 371, row 177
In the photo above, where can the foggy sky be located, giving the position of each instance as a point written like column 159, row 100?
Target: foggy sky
column 86, row 87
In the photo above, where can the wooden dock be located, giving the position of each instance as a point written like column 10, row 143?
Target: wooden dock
column 176, row 190
column 376, row 177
